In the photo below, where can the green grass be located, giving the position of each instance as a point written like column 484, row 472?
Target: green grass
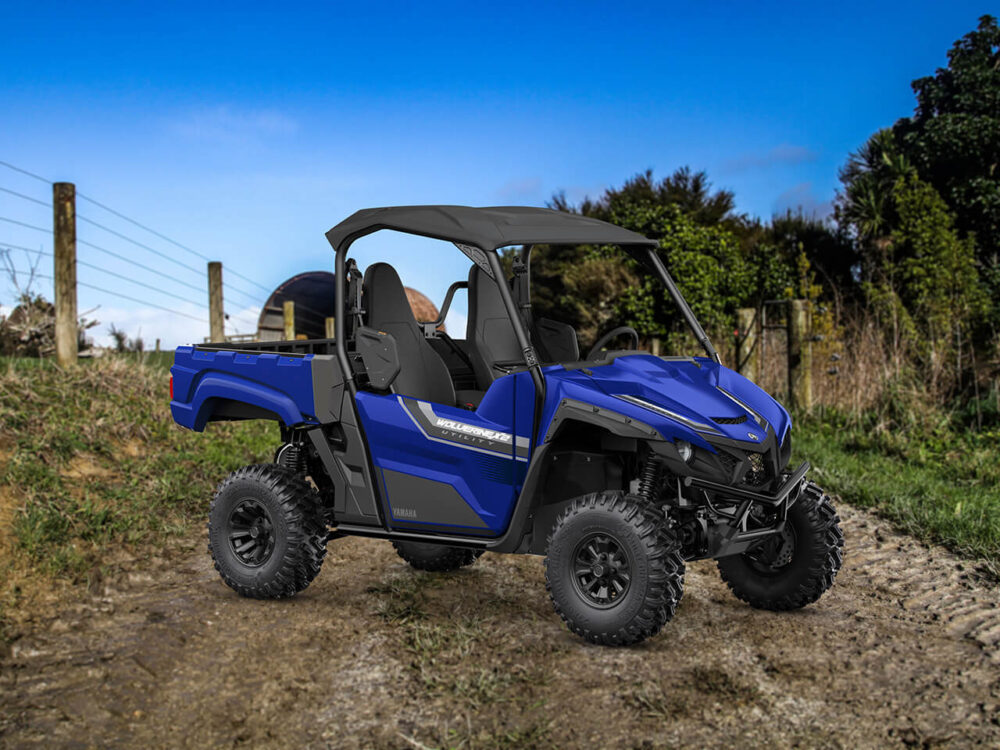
column 160, row 360
column 940, row 484
column 454, row 656
column 92, row 465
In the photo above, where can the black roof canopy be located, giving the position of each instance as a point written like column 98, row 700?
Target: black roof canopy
column 487, row 228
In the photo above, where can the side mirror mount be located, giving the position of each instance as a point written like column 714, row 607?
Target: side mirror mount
column 379, row 356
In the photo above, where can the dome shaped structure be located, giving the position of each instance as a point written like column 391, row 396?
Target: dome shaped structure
column 312, row 292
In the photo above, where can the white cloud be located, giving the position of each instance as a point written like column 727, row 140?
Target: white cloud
column 173, row 330
column 224, row 124
column 785, row 153
column 455, row 324
column 803, row 198
column 243, row 321
column 149, row 324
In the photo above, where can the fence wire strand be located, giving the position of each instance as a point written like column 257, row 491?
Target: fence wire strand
column 118, row 294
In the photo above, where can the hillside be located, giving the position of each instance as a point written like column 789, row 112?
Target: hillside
column 95, row 472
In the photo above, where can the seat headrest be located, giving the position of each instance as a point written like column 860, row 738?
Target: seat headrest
column 385, row 297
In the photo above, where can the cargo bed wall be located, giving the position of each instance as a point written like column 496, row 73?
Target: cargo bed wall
column 213, row 382
column 300, row 346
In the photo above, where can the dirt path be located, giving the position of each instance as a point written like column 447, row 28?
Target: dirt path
column 905, row 650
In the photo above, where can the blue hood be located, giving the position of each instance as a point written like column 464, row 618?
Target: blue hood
column 695, row 389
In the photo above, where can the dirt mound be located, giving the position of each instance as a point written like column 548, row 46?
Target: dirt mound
column 903, row 651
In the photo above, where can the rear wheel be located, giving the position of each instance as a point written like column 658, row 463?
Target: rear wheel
column 436, row 557
column 266, row 532
column 794, row 568
column 613, row 569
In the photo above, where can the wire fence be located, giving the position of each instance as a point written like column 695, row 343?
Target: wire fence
column 111, row 252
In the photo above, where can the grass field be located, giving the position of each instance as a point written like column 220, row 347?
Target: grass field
column 941, row 487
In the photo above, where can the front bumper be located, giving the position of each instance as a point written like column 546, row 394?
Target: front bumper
column 734, row 537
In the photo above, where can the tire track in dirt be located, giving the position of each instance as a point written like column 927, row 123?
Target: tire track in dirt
column 903, row 651
column 928, row 580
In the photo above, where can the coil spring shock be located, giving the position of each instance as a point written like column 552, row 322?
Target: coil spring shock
column 649, row 477
column 292, row 457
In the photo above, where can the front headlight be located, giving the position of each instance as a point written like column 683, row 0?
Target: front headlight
column 685, row 449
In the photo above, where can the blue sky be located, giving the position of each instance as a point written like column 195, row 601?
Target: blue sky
column 246, row 130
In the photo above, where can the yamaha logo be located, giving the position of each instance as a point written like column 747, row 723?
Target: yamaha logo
column 752, row 436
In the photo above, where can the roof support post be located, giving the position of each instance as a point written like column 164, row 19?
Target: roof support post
column 339, row 314
column 685, row 308
column 523, row 340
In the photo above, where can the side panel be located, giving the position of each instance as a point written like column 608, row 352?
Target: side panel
column 442, row 468
column 280, row 384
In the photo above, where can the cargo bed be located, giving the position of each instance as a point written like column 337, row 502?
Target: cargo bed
column 293, row 382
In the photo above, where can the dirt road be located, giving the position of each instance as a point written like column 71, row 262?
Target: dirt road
column 905, row 650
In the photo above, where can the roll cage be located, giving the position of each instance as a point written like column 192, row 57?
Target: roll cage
column 479, row 233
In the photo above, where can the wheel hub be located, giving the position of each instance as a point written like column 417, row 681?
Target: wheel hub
column 251, row 533
column 601, row 570
column 774, row 553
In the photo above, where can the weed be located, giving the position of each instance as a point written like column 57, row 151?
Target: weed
column 533, row 735
column 650, row 699
column 401, row 599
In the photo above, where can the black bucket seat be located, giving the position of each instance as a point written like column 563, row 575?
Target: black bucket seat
column 422, row 373
column 489, row 332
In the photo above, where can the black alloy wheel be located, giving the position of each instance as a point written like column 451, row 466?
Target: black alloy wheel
column 602, row 570
column 613, row 568
column 796, row 566
column 251, row 533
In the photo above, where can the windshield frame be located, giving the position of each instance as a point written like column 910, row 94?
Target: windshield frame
column 647, row 257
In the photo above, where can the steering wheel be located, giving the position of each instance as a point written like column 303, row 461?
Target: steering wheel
column 610, row 336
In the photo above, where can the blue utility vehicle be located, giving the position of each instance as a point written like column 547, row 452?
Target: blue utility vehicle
column 617, row 466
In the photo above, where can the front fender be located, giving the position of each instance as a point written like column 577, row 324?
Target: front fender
column 612, row 421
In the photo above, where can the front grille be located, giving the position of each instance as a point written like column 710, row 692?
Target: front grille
column 730, row 420
column 758, row 473
column 729, row 463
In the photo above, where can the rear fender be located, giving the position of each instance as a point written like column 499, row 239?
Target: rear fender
column 215, row 393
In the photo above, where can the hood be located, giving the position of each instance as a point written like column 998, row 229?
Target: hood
column 698, row 390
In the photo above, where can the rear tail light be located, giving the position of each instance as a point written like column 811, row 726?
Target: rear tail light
column 171, row 387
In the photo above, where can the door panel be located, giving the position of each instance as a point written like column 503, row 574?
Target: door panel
column 445, row 469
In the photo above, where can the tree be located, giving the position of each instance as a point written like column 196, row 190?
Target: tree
column 953, row 137
column 691, row 224
column 938, row 281
column 825, row 246
column 691, row 192
column 866, row 202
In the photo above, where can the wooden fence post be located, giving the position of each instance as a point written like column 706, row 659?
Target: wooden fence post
column 331, row 328
column 799, row 355
column 216, row 316
column 747, row 354
column 289, row 313
column 64, row 271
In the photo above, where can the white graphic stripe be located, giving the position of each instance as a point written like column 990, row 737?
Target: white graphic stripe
column 426, row 409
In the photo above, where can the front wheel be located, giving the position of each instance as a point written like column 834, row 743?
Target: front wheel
column 613, row 569
column 794, row 568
